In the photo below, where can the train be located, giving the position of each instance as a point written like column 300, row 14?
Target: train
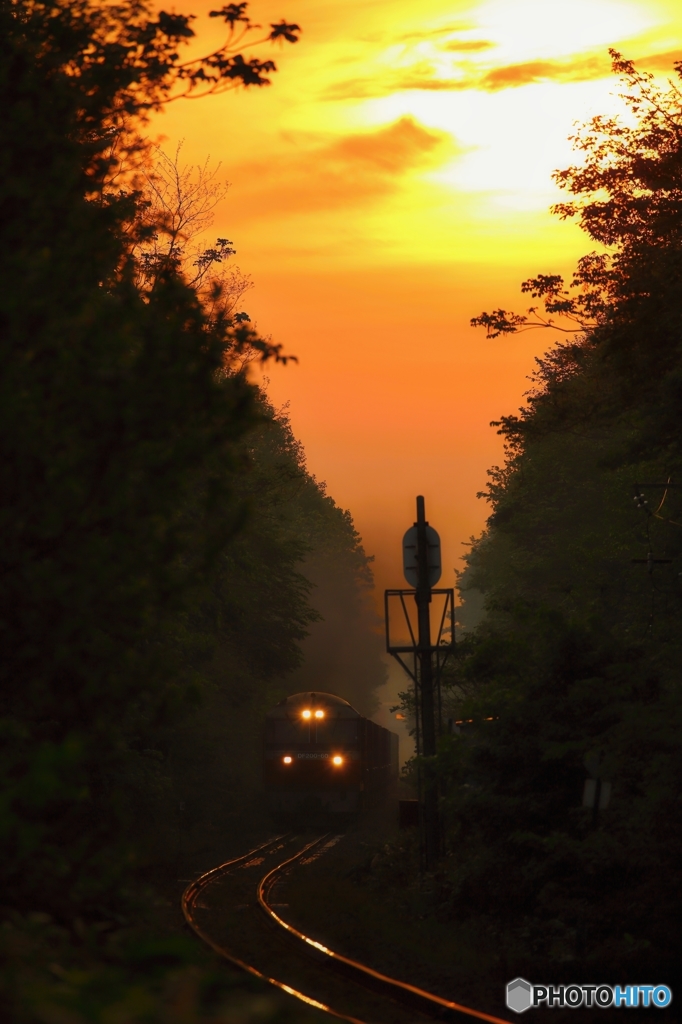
column 322, row 758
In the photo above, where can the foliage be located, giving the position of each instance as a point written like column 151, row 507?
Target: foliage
column 175, row 206
column 296, row 566
column 130, row 975
column 121, row 411
column 156, row 513
column 343, row 653
column 575, row 670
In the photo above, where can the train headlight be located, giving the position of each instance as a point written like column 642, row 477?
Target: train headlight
column 337, row 760
column 319, row 714
column 306, row 713
column 287, row 759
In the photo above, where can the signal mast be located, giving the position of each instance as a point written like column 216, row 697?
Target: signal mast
column 422, row 570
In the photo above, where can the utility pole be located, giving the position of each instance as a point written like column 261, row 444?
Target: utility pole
column 431, row 825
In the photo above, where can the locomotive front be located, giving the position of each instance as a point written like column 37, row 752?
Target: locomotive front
column 313, row 756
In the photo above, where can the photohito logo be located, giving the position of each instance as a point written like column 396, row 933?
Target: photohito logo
column 521, row 995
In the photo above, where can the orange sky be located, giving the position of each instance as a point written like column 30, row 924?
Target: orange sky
column 393, row 182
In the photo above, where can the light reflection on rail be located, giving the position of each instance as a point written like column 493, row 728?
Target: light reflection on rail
column 188, row 903
column 431, row 1003
column 436, row 1002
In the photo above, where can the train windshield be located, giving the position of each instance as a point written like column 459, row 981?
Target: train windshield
column 339, row 731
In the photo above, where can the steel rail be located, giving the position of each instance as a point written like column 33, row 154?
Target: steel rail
column 188, row 901
column 193, row 889
column 427, row 1002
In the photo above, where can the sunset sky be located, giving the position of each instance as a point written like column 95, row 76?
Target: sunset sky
column 391, row 183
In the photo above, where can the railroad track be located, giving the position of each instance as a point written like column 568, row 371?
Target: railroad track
column 231, row 907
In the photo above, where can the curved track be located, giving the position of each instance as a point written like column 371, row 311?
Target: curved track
column 352, row 992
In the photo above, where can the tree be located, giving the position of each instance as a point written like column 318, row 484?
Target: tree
column 121, row 412
column 123, row 416
column 288, row 609
column 576, row 665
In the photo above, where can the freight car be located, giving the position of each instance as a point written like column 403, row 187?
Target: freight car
column 321, row 757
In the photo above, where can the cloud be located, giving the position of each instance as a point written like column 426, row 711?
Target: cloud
column 420, row 76
column 418, row 35
column 660, row 61
column 464, row 45
column 512, row 76
column 393, row 150
column 580, row 69
column 423, row 76
column 348, row 171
